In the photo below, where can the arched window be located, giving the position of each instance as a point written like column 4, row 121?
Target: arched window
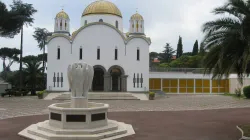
column 86, row 22
column 101, row 20
column 137, row 26
column 138, row 54
column 98, row 53
column 65, row 25
column 61, row 79
column 80, row 53
column 116, row 53
column 117, row 24
column 54, row 79
column 58, row 53
column 133, row 25
column 58, row 79
column 61, row 25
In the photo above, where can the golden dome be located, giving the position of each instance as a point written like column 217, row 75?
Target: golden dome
column 62, row 14
column 136, row 17
column 102, row 7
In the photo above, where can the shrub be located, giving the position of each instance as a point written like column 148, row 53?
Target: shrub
column 246, row 91
column 151, row 94
column 41, row 92
column 238, row 92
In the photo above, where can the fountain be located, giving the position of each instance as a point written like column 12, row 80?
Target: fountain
column 78, row 119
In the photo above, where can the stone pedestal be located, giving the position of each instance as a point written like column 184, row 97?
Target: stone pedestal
column 66, row 123
column 79, row 119
column 79, row 102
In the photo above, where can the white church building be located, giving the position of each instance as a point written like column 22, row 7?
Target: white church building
column 120, row 60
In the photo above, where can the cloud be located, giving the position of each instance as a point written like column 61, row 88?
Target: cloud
column 165, row 20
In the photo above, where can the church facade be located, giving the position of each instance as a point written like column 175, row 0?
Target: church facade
column 120, row 60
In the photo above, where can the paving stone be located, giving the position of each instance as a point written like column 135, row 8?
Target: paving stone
column 19, row 106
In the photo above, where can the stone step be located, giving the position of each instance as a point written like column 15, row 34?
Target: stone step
column 44, row 126
column 101, row 96
column 43, row 135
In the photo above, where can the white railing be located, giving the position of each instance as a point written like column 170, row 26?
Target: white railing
column 183, row 70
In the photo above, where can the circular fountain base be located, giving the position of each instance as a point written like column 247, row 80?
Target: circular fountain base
column 66, row 123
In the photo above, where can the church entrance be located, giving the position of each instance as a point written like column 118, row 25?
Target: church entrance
column 98, row 80
column 116, row 79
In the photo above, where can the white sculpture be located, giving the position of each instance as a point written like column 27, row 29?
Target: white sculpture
column 80, row 77
column 75, row 120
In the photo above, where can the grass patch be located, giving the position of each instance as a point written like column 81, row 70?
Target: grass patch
column 245, row 129
column 234, row 95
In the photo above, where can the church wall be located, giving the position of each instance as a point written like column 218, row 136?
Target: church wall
column 58, row 66
column 138, row 67
column 105, row 38
column 111, row 19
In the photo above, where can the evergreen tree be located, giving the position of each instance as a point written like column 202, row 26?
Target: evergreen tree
column 195, row 48
column 179, row 48
column 167, row 53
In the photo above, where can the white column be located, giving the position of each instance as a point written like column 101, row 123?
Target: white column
column 142, row 26
column 58, row 21
column 111, row 83
column 119, row 83
column 134, row 26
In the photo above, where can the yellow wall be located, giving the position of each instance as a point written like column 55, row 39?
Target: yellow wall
column 189, row 85
column 155, row 84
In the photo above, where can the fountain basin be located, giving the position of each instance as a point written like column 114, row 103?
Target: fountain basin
column 62, row 115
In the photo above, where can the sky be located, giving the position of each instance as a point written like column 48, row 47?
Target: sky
column 165, row 20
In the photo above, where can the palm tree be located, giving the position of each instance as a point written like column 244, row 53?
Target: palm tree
column 228, row 40
column 33, row 72
column 22, row 12
column 40, row 35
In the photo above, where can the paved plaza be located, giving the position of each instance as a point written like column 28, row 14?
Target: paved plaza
column 171, row 125
column 24, row 106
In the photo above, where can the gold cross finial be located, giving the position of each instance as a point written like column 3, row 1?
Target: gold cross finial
column 62, row 7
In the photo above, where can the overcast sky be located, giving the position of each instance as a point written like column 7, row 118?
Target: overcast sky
column 165, row 20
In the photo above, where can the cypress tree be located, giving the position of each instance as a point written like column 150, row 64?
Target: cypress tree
column 179, row 48
column 195, row 48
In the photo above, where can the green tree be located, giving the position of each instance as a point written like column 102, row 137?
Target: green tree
column 167, row 54
column 179, row 48
column 32, row 72
column 187, row 62
column 22, row 12
column 40, row 35
column 228, row 40
column 188, row 53
column 42, row 57
column 9, row 26
column 10, row 54
column 202, row 51
column 195, row 48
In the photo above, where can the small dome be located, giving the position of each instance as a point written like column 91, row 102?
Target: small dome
column 62, row 14
column 136, row 17
column 102, row 7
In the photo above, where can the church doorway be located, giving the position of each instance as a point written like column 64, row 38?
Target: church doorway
column 116, row 81
column 98, row 80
